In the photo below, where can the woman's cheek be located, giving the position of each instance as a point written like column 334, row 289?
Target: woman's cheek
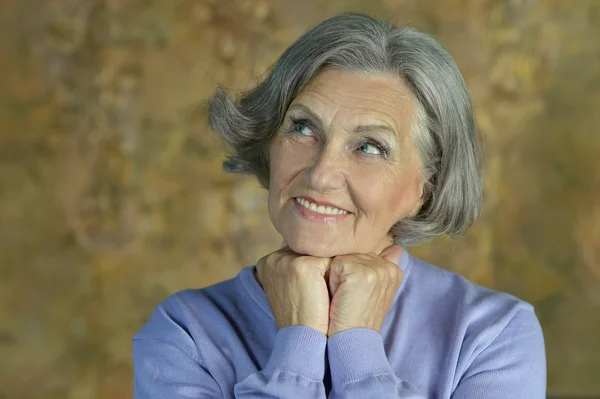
column 373, row 188
column 297, row 158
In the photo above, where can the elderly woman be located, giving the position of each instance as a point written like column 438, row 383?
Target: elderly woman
column 363, row 134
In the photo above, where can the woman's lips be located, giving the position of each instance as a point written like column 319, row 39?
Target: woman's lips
column 323, row 203
column 316, row 217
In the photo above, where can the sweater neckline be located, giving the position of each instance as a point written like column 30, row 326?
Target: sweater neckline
column 258, row 295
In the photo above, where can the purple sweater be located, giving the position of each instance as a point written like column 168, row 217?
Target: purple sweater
column 444, row 337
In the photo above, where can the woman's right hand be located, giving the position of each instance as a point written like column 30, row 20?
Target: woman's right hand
column 296, row 288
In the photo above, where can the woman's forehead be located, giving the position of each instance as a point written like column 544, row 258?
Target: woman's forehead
column 336, row 93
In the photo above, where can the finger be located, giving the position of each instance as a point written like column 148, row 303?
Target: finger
column 393, row 253
column 323, row 264
column 327, row 283
column 333, row 284
column 283, row 243
column 334, row 277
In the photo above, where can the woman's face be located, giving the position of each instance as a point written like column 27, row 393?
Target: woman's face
column 345, row 141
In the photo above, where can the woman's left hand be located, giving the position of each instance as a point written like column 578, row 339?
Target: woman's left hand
column 362, row 289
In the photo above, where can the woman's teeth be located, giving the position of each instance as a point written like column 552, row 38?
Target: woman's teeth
column 325, row 210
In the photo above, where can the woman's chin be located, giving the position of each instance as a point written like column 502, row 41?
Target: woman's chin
column 317, row 249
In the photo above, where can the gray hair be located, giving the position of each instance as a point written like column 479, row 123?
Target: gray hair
column 444, row 131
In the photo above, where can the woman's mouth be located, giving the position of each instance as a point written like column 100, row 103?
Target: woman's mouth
column 318, row 213
column 324, row 210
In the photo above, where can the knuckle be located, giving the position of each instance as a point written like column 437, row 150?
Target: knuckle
column 370, row 276
column 394, row 272
column 278, row 260
column 340, row 258
column 296, row 262
column 270, row 258
column 296, row 265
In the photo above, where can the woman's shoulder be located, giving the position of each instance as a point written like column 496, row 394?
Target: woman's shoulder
column 190, row 310
column 449, row 292
column 476, row 315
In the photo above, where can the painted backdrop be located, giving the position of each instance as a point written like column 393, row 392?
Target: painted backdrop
column 112, row 194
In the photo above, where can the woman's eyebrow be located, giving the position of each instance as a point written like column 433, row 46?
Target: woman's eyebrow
column 306, row 110
column 371, row 128
column 357, row 129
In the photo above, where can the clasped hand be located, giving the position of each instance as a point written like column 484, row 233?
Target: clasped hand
column 330, row 295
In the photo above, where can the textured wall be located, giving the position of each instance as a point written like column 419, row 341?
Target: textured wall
column 112, row 194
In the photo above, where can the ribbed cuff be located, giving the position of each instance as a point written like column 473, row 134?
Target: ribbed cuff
column 356, row 354
column 300, row 350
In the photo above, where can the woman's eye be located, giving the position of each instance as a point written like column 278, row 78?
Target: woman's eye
column 302, row 128
column 368, row 148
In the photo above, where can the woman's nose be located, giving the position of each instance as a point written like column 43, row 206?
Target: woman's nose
column 327, row 172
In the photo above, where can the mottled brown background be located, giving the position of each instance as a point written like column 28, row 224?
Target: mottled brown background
column 112, row 194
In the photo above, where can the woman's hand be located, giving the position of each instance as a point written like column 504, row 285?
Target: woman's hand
column 363, row 288
column 296, row 288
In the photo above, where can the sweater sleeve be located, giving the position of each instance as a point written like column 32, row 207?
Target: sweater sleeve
column 295, row 368
column 165, row 369
column 360, row 368
column 168, row 363
column 512, row 366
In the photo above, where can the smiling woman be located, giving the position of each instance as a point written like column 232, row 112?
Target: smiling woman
column 363, row 134
column 415, row 80
column 345, row 140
